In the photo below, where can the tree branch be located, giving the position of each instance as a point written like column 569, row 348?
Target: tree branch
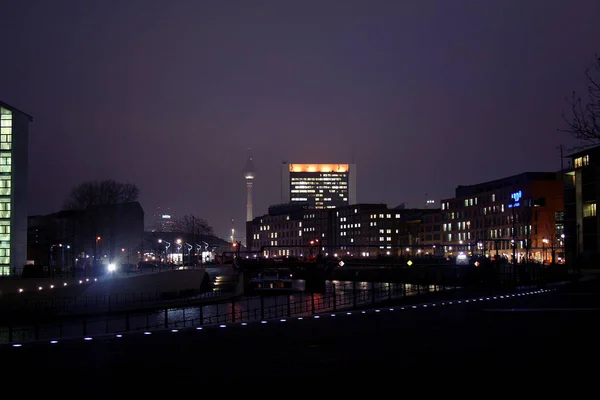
column 583, row 119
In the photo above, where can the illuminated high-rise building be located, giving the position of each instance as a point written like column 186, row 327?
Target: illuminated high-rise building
column 163, row 220
column 14, row 127
column 319, row 185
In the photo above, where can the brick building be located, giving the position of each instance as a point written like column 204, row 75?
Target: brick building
column 520, row 213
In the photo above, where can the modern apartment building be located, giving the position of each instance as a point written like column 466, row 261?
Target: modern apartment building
column 14, row 127
column 520, row 215
column 582, row 194
column 360, row 230
column 321, row 186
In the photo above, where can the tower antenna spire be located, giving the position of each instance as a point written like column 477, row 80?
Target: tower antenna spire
column 249, row 174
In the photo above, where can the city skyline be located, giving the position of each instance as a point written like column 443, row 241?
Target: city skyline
column 190, row 88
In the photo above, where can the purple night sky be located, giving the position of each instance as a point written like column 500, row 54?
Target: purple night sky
column 424, row 94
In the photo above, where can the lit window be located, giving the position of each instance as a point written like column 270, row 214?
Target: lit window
column 589, row 210
column 581, row 161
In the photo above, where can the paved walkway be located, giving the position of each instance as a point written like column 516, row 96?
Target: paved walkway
column 534, row 331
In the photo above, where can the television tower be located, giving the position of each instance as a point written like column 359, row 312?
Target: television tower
column 249, row 174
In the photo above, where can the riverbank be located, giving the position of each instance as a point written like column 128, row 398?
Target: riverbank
column 542, row 330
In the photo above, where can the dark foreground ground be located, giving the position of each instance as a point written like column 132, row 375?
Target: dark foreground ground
column 541, row 332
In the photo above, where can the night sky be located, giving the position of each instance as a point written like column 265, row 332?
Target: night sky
column 424, row 95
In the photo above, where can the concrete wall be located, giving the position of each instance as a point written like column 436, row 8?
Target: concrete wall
column 168, row 281
column 57, row 286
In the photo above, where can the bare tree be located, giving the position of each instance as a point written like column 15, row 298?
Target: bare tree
column 194, row 228
column 191, row 224
column 583, row 119
column 94, row 193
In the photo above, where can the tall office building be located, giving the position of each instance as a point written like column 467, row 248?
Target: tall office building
column 319, row 185
column 14, row 126
column 163, row 220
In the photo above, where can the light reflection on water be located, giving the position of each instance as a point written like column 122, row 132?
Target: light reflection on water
column 245, row 308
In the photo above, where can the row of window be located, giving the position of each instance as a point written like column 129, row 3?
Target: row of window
column 492, row 234
column 5, row 144
column 583, row 161
column 374, row 216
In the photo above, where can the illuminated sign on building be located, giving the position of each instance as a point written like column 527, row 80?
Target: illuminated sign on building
column 336, row 168
column 319, row 185
column 516, row 199
column 166, row 216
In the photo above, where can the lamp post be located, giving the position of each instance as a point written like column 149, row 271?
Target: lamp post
column 51, row 261
column 167, row 245
column 123, row 254
column 98, row 238
column 189, row 248
column 514, row 232
column 564, row 251
column 180, row 246
column 68, row 247
column 544, row 243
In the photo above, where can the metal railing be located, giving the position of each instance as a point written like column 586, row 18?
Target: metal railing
column 341, row 297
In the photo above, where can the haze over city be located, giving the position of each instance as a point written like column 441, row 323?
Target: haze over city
column 421, row 95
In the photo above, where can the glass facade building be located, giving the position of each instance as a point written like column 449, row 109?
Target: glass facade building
column 5, row 188
column 13, row 188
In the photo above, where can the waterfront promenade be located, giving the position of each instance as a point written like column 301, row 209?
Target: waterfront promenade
column 536, row 330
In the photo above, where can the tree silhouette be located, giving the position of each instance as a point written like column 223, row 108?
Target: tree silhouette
column 193, row 228
column 583, row 119
column 95, row 193
column 193, row 225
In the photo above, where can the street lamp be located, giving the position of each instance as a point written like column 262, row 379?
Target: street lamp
column 544, row 243
column 167, row 245
column 189, row 248
column 180, row 246
column 564, row 251
column 98, row 238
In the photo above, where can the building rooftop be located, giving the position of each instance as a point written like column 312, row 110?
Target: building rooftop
column 593, row 148
column 469, row 190
column 15, row 110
